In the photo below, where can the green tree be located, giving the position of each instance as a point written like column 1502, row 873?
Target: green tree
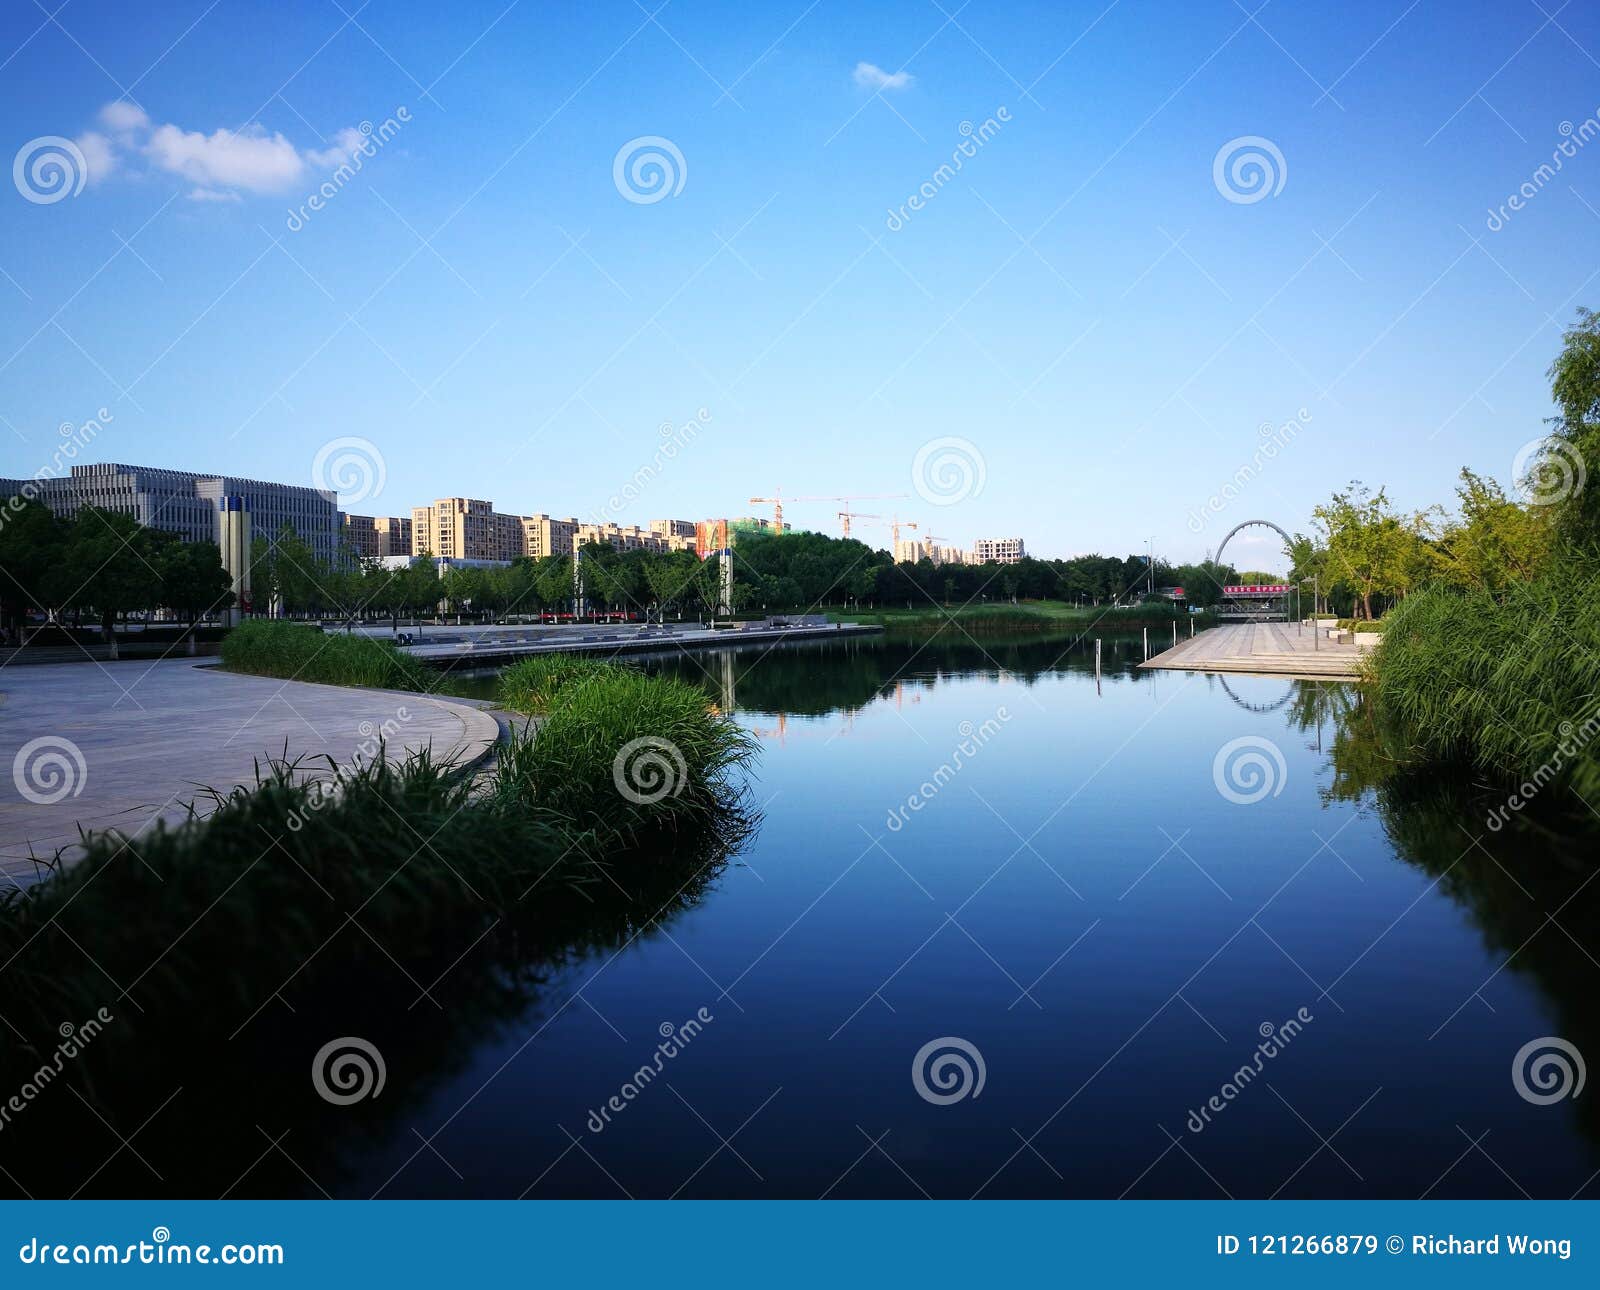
column 1568, row 472
column 107, row 564
column 193, row 581
column 31, row 541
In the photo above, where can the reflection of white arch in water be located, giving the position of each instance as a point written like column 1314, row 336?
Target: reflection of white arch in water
column 1256, row 707
column 1288, row 542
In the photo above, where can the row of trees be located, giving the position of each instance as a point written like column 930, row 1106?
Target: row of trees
column 104, row 565
column 1365, row 554
column 1368, row 555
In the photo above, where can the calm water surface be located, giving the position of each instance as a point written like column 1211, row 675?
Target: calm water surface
column 1078, row 902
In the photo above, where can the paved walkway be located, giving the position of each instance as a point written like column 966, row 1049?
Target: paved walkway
column 1266, row 649
column 125, row 744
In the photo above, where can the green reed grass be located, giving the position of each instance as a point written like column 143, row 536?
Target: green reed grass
column 295, row 651
column 1505, row 684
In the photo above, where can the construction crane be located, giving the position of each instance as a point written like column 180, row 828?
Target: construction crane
column 779, row 499
column 894, row 522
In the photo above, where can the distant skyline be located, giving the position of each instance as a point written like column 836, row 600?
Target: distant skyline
column 1055, row 271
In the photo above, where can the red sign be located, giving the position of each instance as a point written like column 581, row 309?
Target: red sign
column 1258, row 589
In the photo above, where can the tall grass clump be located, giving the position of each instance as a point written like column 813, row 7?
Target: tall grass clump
column 633, row 757
column 1507, row 684
column 295, row 651
column 203, row 921
column 532, row 684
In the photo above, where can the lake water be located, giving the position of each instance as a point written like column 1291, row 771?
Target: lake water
column 1088, row 904
column 1004, row 929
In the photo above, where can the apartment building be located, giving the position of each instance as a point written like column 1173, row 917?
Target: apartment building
column 998, row 550
column 673, row 528
column 542, row 535
column 466, row 528
column 370, row 536
column 186, row 502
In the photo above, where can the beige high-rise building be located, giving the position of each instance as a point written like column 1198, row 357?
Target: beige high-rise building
column 465, row 528
column 542, row 535
column 909, row 551
column 673, row 528
column 374, row 535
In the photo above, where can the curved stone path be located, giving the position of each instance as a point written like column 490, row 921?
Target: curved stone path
column 123, row 745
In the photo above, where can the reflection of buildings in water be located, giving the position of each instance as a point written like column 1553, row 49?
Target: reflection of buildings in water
column 779, row 732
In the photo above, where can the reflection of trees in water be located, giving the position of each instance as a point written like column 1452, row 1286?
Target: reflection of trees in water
column 809, row 678
column 203, row 1107
column 1527, row 887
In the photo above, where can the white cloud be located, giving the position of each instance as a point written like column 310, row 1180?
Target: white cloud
column 219, row 165
column 344, row 146
column 123, row 117
column 873, row 77
column 99, row 155
column 250, row 158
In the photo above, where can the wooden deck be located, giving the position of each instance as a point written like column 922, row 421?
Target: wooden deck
column 1265, row 649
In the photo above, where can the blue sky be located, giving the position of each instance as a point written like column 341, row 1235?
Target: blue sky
column 1081, row 304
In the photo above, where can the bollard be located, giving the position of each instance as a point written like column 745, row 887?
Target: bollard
column 1097, row 657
